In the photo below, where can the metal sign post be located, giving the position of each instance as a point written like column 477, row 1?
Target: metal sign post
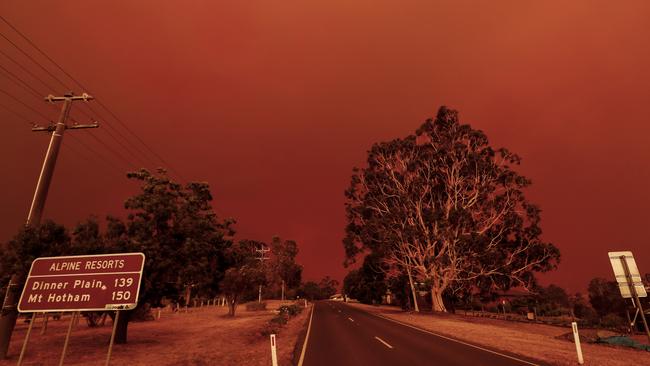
column 29, row 331
column 629, row 281
column 635, row 295
column 110, row 345
column 67, row 337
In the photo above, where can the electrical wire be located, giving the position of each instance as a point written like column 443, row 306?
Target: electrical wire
column 24, row 104
column 110, row 112
column 26, row 70
column 33, row 60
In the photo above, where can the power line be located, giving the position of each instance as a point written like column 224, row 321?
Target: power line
column 28, row 40
column 24, row 104
column 34, row 92
column 124, row 146
column 111, row 150
column 76, row 152
column 20, row 82
column 22, row 67
column 96, row 153
column 32, row 59
column 74, row 138
column 141, row 141
column 16, row 114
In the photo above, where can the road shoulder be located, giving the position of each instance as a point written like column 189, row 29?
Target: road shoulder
column 530, row 341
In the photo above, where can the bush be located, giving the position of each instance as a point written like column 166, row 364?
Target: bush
column 256, row 306
column 612, row 321
column 290, row 310
column 280, row 319
column 270, row 328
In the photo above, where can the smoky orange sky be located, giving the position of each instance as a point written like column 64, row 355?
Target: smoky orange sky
column 274, row 102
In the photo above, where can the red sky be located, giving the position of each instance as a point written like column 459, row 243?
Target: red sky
column 273, row 104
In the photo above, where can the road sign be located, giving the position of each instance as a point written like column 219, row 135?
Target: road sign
column 621, row 278
column 83, row 283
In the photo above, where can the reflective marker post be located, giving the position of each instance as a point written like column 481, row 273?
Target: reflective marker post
column 576, row 338
column 274, row 356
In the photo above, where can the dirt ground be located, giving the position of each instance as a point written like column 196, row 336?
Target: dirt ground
column 532, row 340
column 203, row 336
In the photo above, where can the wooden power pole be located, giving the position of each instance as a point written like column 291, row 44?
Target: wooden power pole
column 9, row 312
column 263, row 250
column 47, row 171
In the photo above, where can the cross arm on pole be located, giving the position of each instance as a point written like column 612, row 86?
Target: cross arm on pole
column 52, row 127
column 84, row 96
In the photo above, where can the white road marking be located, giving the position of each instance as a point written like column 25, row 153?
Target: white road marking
column 454, row 340
column 352, row 320
column 304, row 345
column 384, row 342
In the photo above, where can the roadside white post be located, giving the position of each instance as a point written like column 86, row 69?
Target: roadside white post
column 274, row 356
column 576, row 337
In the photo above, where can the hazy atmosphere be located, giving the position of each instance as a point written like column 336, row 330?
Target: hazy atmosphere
column 274, row 103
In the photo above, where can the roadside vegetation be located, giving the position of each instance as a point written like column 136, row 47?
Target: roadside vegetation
column 438, row 221
column 192, row 257
column 202, row 335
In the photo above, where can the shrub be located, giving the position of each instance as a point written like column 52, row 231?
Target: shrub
column 280, row 319
column 270, row 328
column 256, row 306
column 290, row 310
column 612, row 321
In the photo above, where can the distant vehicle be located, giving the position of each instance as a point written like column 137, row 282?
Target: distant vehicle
column 337, row 297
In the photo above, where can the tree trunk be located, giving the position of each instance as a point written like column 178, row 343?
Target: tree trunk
column 436, row 300
column 188, row 294
column 122, row 327
column 232, row 306
column 415, row 298
column 9, row 314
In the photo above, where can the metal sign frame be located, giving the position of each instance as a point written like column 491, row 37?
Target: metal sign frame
column 77, row 312
column 621, row 274
column 108, row 307
column 629, row 282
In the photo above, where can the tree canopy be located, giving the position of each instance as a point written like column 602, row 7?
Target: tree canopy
column 448, row 206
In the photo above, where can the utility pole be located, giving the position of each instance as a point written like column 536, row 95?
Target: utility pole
column 263, row 250
column 415, row 297
column 47, row 171
column 9, row 312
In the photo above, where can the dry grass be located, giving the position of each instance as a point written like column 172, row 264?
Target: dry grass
column 205, row 336
column 531, row 340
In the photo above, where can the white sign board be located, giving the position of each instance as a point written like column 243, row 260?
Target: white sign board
column 619, row 273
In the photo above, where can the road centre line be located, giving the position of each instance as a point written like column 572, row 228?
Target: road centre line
column 384, row 342
column 304, row 345
column 453, row 340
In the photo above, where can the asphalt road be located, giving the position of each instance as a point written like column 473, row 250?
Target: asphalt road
column 344, row 335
